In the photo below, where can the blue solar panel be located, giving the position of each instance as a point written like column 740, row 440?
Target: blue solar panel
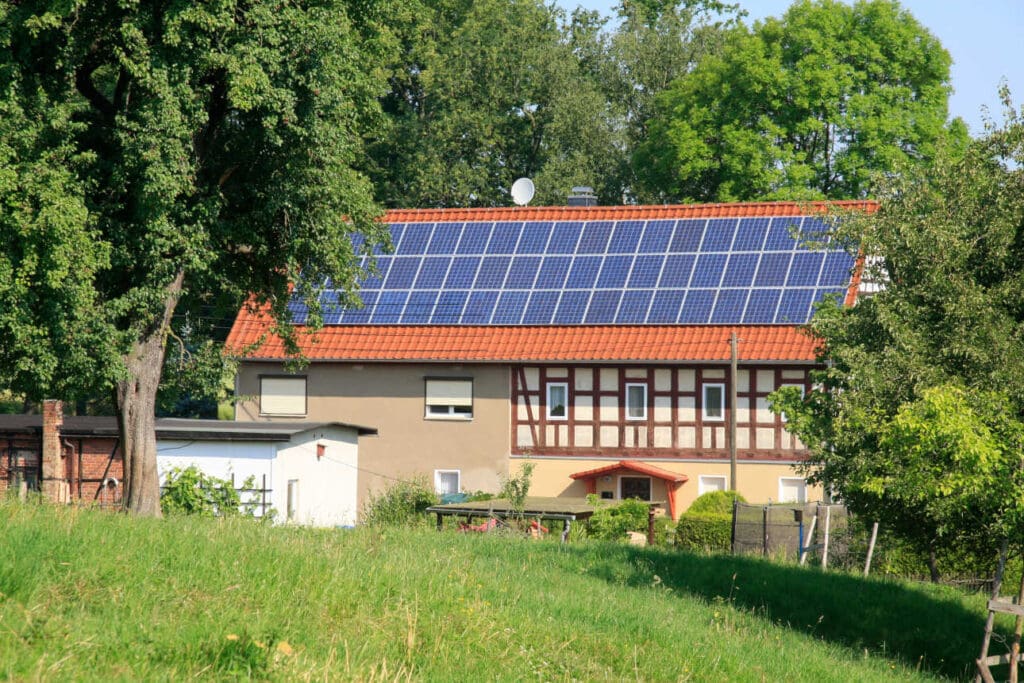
column 388, row 310
column 633, row 309
column 462, row 273
column 625, row 237
column 688, row 236
column 402, row 273
column 806, row 269
column 740, row 271
column 614, row 271
column 708, row 272
column 449, row 307
column 504, row 238
column 646, row 271
column 572, row 307
column 674, row 271
column 583, row 273
column 540, row 308
column 299, row 314
column 595, row 238
column 553, row 272
column 523, row 272
column 697, row 307
column 729, row 306
column 604, row 304
column 432, row 272
column 677, row 270
column 656, row 237
column 445, row 238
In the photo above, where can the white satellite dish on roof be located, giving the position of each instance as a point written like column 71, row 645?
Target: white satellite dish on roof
column 522, row 191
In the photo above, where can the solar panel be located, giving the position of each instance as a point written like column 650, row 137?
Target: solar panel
column 752, row 270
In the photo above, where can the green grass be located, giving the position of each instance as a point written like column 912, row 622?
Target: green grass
column 96, row 596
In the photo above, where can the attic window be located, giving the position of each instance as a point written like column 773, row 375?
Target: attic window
column 282, row 395
column 449, row 398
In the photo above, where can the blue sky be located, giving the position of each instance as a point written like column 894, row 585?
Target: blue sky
column 984, row 37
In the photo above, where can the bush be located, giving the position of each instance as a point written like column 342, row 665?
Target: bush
column 715, row 503
column 402, row 504
column 612, row 523
column 190, row 491
column 704, row 532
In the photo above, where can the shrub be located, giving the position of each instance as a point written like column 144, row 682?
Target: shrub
column 704, row 532
column 190, row 491
column 715, row 503
column 402, row 504
column 612, row 523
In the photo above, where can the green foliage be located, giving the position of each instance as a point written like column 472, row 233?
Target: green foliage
column 704, row 532
column 917, row 419
column 716, row 502
column 515, row 489
column 613, row 521
column 401, row 504
column 190, row 491
column 807, row 106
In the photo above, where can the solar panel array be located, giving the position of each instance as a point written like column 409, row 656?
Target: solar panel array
column 657, row 272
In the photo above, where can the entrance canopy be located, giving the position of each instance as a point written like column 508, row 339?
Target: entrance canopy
column 673, row 480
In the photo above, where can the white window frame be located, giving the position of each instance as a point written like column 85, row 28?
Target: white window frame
column 704, row 402
column 283, row 379
column 640, row 385
column 437, row 481
column 803, row 488
column 564, row 386
column 803, row 393
column 702, row 486
column 459, row 407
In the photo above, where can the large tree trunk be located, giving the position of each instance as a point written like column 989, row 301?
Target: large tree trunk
column 933, row 564
column 136, row 410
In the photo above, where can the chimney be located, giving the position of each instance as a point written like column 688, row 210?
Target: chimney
column 582, row 196
column 54, row 486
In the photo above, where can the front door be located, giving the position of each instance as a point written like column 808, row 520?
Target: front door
column 635, row 487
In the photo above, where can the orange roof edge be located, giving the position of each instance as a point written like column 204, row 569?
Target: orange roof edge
column 632, row 466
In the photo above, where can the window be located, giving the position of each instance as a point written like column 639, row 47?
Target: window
column 558, row 398
column 635, row 487
column 792, row 490
column 714, row 402
column 798, row 386
column 707, row 483
column 446, row 482
column 449, row 398
column 636, row 401
column 282, row 395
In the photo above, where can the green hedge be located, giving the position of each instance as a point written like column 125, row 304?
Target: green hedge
column 704, row 532
column 715, row 503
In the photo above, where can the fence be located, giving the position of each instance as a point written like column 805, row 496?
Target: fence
column 787, row 529
column 254, row 499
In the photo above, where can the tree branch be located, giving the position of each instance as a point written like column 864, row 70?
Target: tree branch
column 85, row 87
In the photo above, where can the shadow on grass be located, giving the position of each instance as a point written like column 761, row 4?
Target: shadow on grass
column 928, row 629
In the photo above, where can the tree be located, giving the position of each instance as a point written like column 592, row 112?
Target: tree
column 804, row 107
column 918, row 418
column 167, row 157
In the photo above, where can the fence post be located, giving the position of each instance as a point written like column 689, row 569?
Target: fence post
column 871, row 548
column 764, row 529
column 824, row 550
column 735, row 511
column 263, row 495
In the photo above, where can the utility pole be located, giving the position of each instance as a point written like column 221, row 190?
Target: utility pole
column 732, row 411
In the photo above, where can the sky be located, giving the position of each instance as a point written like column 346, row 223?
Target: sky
column 984, row 37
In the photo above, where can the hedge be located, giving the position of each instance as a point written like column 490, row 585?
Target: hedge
column 704, row 532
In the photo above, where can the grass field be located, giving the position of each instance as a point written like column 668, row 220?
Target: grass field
column 97, row 596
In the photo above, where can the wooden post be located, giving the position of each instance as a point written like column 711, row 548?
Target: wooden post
column 871, row 548
column 732, row 411
column 828, row 524
column 764, row 530
column 1018, row 629
column 997, row 584
column 440, row 521
column 810, row 537
column 650, row 525
column 735, row 510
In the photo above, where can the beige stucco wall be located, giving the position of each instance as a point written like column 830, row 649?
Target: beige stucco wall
column 758, row 482
column 390, row 398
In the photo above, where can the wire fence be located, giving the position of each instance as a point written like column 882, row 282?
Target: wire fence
column 786, row 530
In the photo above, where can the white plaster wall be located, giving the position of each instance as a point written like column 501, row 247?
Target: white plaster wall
column 220, row 459
column 327, row 487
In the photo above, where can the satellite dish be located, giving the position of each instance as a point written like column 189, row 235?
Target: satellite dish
column 522, row 191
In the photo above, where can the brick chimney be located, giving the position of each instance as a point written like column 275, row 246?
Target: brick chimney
column 54, row 486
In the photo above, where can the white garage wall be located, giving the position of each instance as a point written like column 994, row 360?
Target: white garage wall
column 327, row 486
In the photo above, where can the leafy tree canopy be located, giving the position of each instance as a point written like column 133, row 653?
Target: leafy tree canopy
column 167, row 157
column 803, row 107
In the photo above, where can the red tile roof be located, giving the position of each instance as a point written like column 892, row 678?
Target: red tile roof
column 632, row 466
column 520, row 343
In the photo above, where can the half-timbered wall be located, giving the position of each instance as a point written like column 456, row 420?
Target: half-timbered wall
column 675, row 425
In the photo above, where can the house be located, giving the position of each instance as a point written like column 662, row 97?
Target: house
column 594, row 343
column 306, row 472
